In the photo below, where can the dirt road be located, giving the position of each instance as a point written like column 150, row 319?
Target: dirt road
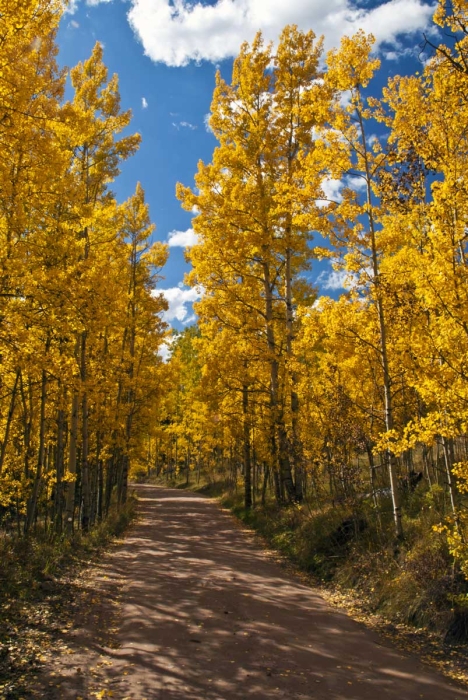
column 206, row 615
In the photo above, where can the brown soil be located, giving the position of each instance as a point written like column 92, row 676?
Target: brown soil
column 189, row 607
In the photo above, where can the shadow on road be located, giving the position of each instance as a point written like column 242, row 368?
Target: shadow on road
column 206, row 615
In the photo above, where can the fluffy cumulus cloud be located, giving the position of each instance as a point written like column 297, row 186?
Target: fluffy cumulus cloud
column 180, row 31
column 175, row 32
column 144, row 103
column 356, row 182
column 335, row 280
column 182, row 239
column 180, row 300
column 331, row 188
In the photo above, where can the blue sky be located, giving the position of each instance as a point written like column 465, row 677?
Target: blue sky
column 166, row 53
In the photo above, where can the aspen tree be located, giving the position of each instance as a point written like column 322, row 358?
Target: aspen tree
column 428, row 118
column 64, row 281
column 350, row 69
column 144, row 259
column 96, row 158
column 252, row 222
column 30, row 89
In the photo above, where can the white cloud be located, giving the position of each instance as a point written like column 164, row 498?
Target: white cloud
column 165, row 348
column 182, row 239
column 206, row 121
column 144, row 103
column 356, row 182
column 70, row 7
column 336, row 279
column 165, row 351
column 184, row 125
column 399, row 51
column 345, row 98
column 190, row 319
column 331, row 188
column 178, row 298
column 73, row 24
column 183, row 30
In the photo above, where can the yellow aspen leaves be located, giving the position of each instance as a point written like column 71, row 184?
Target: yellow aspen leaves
column 80, row 372
column 352, row 395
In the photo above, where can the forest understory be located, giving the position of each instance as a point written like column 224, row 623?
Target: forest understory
column 42, row 588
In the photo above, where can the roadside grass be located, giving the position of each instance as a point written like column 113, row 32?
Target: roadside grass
column 29, row 561
column 35, row 578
